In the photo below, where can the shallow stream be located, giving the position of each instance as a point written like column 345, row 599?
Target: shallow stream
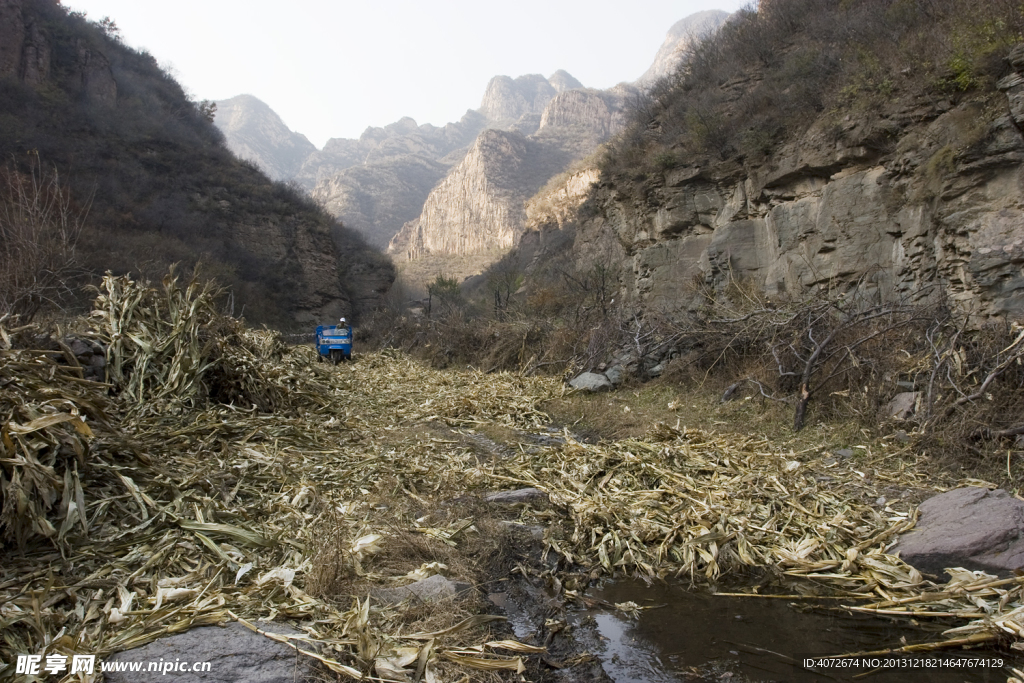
column 696, row 636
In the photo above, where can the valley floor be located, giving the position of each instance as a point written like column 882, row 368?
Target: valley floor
column 374, row 474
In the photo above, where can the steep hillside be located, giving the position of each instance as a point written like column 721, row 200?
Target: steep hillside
column 162, row 185
column 253, row 131
column 813, row 145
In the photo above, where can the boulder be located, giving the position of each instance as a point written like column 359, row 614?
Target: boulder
column 432, row 588
column 234, row 652
column 967, row 527
column 614, row 374
column 591, row 381
column 527, row 495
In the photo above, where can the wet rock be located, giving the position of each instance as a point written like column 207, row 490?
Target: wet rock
column 967, row 527
column 903, row 405
column 234, row 652
column 527, row 495
column 429, row 589
column 591, row 381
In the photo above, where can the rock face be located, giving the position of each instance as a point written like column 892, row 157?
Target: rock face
column 255, row 132
column 379, row 182
column 507, row 100
column 481, row 205
column 557, row 207
column 234, row 652
column 929, row 194
column 672, row 52
column 970, row 527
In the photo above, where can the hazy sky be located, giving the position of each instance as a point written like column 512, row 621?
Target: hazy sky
column 330, row 68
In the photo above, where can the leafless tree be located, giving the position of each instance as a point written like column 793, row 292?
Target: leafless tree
column 39, row 231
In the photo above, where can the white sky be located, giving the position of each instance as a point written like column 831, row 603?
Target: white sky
column 330, row 68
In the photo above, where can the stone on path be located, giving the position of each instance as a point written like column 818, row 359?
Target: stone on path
column 235, row 653
column 970, row 527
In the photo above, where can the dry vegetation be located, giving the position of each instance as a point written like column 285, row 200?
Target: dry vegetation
column 766, row 76
column 222, row 475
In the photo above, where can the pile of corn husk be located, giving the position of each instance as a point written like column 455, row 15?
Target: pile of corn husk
column 193, row 488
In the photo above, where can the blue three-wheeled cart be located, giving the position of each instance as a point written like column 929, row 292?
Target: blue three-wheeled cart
column 334, row 343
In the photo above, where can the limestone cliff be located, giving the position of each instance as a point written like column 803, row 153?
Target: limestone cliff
column 381, row 181
column 378, row 198
column 920, row 199
column 255, row 132
column 480, row 207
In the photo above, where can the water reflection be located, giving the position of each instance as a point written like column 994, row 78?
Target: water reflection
column 704, row 637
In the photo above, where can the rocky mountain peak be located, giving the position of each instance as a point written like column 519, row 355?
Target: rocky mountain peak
column 509, row 100
column 562, row 80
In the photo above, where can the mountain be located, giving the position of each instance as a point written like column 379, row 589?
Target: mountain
column 682, row 34
column 379, row 182
column 480, row 207
column 154, row 181
column 254, row 132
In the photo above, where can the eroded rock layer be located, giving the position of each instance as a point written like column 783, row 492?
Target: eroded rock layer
column 925, row 200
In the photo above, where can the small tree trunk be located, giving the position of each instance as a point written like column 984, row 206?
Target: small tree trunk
column 801, row 408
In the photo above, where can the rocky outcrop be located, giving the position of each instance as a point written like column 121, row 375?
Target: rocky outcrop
column 26, row 53
column 558, row 206
column 12, row 37
column 672, row 52
column 95, row 77
column 597, row 113
column 562, row 80
column 508, row 100
column 923, row 200
column 253, row 131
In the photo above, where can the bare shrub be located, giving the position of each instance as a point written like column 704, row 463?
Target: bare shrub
column 39, row 230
